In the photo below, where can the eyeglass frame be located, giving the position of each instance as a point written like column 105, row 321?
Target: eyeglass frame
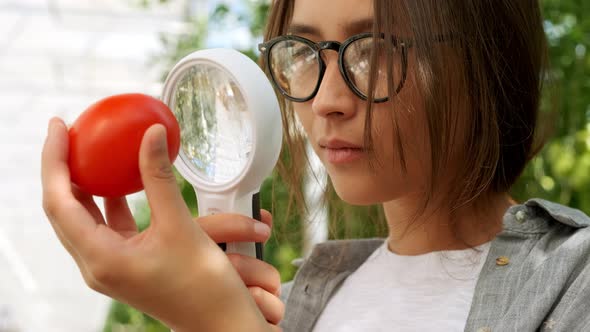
column 318, row 47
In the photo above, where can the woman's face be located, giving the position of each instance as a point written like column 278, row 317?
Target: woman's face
column 335, row 119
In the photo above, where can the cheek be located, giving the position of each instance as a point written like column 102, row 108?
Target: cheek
column 413, row 120
column 408, row 112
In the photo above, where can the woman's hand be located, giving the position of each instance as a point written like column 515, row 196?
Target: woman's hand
column 172, row 270
column 262, row 279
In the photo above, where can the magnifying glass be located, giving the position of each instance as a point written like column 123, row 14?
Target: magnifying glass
column 231, row 132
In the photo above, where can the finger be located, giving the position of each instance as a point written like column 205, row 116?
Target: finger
column 84, row 199
column 255, row 272
column 119, row 217
column 74, row 221
column 271, row 307
column 55, row 174
column 266, row 217
column 163, row 195
column 234, row 228
column 88, row 202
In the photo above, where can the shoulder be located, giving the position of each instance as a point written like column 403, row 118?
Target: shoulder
column 339, row 255
column 343, row 255
column 335, row 256
column 547, row 247
column 541, row 232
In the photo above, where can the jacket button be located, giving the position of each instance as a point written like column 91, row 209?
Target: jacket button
column 502, row 260
column 484, row 329
column 520, row 216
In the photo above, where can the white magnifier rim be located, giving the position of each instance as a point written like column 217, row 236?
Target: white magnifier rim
column 264, row 116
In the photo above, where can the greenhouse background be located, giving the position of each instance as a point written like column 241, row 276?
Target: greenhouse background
column 59, row 56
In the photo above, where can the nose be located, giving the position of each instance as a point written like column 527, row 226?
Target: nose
column 334, row 98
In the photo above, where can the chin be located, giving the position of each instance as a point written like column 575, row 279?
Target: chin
column 360, row 194
column 366, row 188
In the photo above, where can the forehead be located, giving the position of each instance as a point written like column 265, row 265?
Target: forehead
column 333, row 19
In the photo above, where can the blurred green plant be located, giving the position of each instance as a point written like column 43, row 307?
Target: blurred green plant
column 561, row 172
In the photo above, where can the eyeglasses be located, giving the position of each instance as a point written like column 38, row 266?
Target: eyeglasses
column 296, row 65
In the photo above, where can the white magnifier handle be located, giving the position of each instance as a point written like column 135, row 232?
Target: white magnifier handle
column 248, row 205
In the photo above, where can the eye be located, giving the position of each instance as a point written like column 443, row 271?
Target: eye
column 299, row 49
column 366, row 48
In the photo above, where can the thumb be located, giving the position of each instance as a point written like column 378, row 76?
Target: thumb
column 163, row 195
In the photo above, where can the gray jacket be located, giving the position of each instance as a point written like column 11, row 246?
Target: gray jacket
column 544, row 287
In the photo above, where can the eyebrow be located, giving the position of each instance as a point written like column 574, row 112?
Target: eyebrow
column 362, row 25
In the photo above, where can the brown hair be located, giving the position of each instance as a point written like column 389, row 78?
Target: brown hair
column 498, row 62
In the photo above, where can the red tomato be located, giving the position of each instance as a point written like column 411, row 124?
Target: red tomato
column 105, row 140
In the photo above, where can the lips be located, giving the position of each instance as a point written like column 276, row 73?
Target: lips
column 334, row 143
column 337, row 151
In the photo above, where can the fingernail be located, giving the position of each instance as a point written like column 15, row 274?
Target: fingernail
column 261, row 228
column 159, row 145
column 49, row 126
column 53, row 125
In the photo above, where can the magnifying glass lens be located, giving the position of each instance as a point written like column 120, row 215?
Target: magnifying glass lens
column 214, row 123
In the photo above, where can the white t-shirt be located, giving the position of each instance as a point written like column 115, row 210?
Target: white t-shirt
column 390, row 292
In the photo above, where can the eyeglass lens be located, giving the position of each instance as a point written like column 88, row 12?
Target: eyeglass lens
column 295, row 67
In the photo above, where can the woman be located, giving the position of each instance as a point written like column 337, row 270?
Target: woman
column 440, row 155
column 429, row 108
